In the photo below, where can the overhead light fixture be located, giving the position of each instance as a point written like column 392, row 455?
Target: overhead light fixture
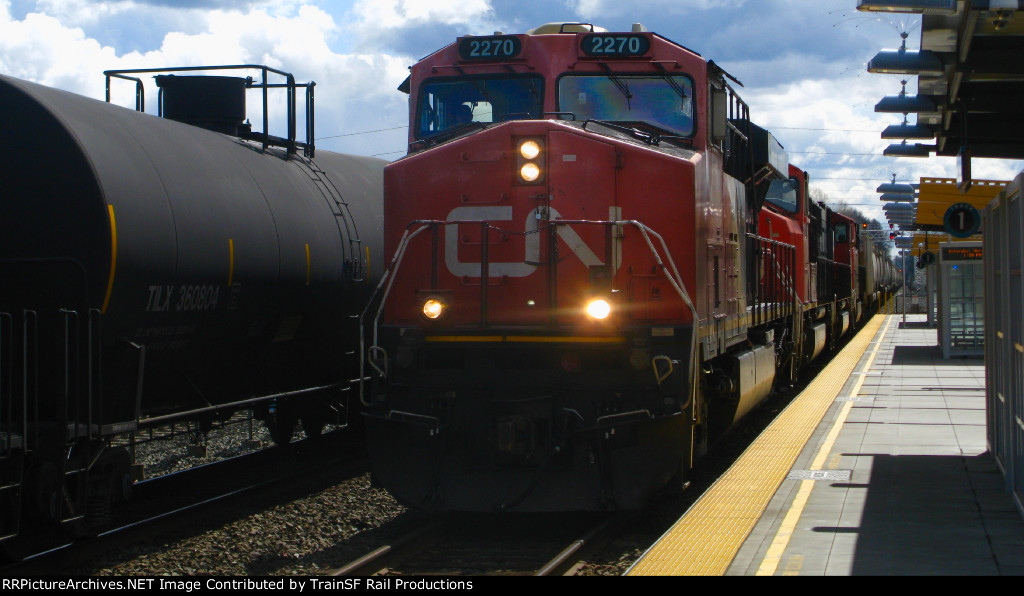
column 908, row 6
column 897, row 207
column 906, row 104
column 905, row 150
column 1000, row 12
column 897, row 197
column 907, row 131
column 903, row 61
column 894, row 187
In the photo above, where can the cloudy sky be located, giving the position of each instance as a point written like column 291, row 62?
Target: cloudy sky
column 802, row 62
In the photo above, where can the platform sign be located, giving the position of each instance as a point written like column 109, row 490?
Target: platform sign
column 962, row 220
column 961, row 253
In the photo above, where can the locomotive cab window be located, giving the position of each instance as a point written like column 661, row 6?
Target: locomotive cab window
column 782, row 194
column 841, row 232
column 449, row 103
column 663, row 101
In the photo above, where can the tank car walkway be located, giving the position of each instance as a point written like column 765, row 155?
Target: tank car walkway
column 879, row 467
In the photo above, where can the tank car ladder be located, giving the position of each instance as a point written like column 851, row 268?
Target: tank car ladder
column 355, row 271
column 12, row 436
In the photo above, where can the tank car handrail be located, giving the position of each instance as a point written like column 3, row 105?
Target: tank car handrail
column 290, row 143
column 158, row 420
column 140, row 89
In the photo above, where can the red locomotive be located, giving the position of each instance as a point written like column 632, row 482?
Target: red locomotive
column 600, row 264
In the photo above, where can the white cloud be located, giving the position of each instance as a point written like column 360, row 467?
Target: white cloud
column 354, row 92
column 41, row 49
column 589, row 8
column 399, row 14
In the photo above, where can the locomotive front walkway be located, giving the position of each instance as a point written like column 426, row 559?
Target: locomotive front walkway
column 895, row 479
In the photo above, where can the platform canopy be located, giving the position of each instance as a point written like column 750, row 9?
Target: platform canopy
column 978, row 89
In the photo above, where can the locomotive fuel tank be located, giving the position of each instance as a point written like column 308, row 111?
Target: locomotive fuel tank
column 215, row 269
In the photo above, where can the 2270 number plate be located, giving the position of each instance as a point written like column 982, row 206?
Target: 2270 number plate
column 602, row 44
column 490, row 48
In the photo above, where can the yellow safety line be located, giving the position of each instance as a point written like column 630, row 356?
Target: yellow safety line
column 231, row 262
column 773, row 556
column 523, row 339
column 574, row 340
column 707, row 538
column 113, row 257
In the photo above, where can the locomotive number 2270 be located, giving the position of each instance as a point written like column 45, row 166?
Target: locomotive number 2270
column 489, row 48
column 615, row 45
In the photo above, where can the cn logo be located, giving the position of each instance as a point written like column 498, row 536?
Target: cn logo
column 532, row 242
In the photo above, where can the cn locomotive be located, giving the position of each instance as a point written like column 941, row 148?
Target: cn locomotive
column 163, row 268
column 598, row 265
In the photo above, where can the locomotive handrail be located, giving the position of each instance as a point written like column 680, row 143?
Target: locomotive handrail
column 782, row 273
column 625, row 415
column 387, row 277
column 416, row 227
column 412, row 416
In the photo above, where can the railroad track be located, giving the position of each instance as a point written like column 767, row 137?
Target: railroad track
column 199, row 497
column 491, row 545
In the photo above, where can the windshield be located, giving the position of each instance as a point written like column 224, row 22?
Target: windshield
column 446, row 103
column 782, row 194
column 660, row 100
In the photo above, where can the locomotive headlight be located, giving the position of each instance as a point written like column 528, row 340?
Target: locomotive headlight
column 598, row 309
column 530, row 160
column 530, row 172
column 529, row 149
column 433, row 309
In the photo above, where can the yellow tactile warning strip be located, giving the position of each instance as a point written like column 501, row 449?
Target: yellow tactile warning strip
column 773, row 557
column 707, row 538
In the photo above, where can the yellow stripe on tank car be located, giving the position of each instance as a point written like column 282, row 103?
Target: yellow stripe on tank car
column 231, row 262
column 113, row 257
column 309, row 268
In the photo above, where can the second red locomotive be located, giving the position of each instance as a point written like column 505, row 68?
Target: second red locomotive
column 600, row 264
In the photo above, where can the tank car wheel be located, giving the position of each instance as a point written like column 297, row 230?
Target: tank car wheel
column 282, row 426
column 45, row 493
column 313, row 425
column 121, row 483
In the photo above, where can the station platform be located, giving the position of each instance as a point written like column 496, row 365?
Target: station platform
column 879, row 467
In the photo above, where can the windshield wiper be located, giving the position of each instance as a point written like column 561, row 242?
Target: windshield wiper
column 452, row 131
column 647, row 137
column 619, row 84
column 672, row 82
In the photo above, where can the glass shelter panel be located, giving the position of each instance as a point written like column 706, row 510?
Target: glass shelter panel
column 962, row 322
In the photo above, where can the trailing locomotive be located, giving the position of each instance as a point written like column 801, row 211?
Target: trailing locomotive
column 599, row 265
column 162, row 268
